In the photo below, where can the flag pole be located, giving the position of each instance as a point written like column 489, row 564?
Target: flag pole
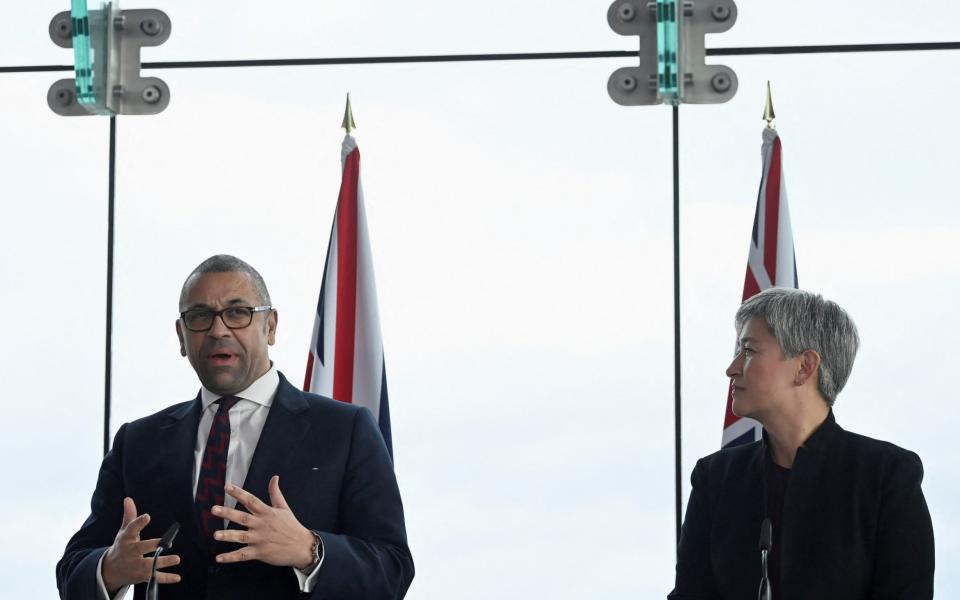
column 676, row 318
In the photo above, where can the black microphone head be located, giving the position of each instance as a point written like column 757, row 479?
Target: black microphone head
column 766, row 535
column 167, row 540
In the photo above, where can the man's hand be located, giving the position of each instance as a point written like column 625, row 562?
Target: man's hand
column 123, row 562
column 273, row 535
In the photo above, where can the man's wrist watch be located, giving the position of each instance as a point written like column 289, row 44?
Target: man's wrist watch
column 317, row 552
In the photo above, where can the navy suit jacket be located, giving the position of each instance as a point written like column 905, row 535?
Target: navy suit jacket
column 855, row 525
column 335, row 473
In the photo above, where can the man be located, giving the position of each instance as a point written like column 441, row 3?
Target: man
column 277, row 492
column 849, row 517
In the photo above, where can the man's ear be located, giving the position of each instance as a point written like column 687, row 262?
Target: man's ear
column 809, row 365
column 183, row 351
column 272, row 327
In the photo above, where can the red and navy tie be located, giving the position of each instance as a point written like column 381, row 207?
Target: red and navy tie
column 213, row 469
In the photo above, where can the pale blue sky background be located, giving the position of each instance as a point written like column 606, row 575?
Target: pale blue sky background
column 521, row 229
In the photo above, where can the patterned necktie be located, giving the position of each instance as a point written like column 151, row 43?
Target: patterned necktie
column 213, row 469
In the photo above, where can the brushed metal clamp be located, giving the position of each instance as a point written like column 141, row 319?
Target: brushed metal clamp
column 111, row 82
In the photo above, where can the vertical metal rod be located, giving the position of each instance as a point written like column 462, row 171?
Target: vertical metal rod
column 108, row 358
column 676, row 313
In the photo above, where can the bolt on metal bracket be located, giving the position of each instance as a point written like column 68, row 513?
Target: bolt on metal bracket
column 120, row 88
column 703, row 83
column 672, row 52
column 634, row 86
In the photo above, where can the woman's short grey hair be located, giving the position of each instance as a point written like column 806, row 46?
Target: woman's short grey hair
column 800, row 321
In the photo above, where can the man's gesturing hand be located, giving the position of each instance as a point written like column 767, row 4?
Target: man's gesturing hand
column 123, row 562
column 273, row 535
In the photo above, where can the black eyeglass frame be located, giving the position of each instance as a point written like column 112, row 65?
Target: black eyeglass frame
column 219, row 313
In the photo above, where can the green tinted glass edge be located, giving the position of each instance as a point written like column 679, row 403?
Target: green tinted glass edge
column 668, row 37
column 82, row 59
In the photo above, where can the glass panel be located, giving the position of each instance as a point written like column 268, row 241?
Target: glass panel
column 668, row 51
column 25, row 31
column 761, row 23
column 83, row 22
column 521, row 237
column 90, row 53
column 520, row 227
column 431, row 27
column 871, row 180
column 53, row 231
column 238, row 30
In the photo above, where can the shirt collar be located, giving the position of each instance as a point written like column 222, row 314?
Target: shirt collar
column 819, row 440
column 262, row 391
column 821, row 436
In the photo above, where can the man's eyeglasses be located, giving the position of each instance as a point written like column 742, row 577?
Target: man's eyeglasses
column 234, row 317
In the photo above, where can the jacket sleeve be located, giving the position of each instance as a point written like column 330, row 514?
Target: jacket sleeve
column 905, row 549
column 368, row 557
column 695, row 579
column 77, row 569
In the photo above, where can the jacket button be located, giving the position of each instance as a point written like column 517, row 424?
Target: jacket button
column 213, row 570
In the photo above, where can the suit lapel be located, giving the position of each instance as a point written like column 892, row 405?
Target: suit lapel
column 755, row 501
column 802, row 511
column 176, row 452
column 737, row 508
column 804, row 501
column 282, row 434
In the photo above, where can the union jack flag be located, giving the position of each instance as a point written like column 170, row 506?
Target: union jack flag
column 770, row 262
column 346, row 351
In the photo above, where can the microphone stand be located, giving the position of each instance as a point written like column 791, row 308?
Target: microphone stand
column 766, row 542
column 165, row 543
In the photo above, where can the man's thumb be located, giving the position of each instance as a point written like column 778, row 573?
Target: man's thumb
column 276, row 497
column 129, row 511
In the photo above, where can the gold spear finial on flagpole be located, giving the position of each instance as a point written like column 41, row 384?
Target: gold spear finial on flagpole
column 768, row 115
column 348, row 122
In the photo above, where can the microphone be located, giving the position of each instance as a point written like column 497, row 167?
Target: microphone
column 165, row 543
column 766, row 542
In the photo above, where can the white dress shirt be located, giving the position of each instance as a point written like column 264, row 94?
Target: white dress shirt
column 247, row 418
column 246, row 423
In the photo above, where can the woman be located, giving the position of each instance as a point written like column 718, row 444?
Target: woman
column 849, row 517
